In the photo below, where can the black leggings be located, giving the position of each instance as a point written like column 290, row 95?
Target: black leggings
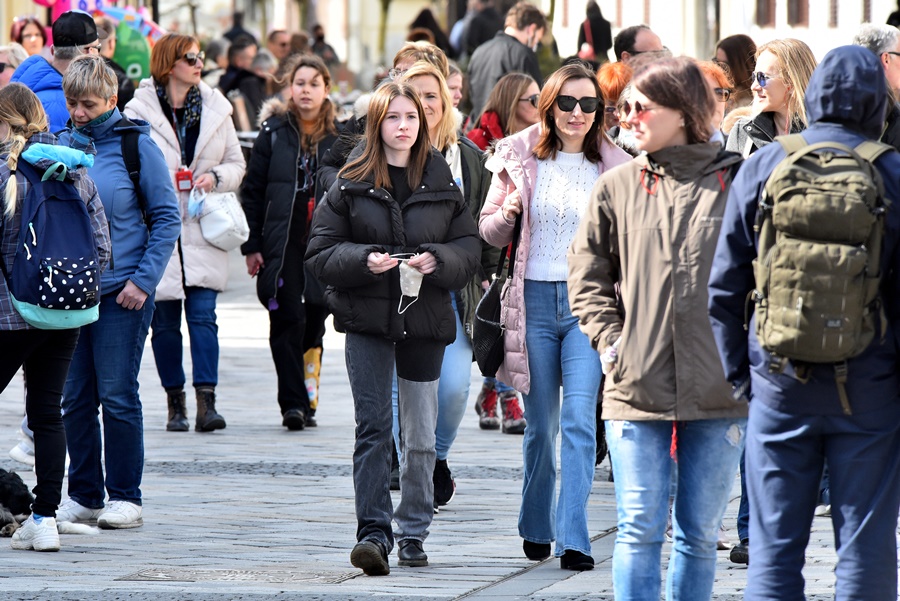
column 46, row 355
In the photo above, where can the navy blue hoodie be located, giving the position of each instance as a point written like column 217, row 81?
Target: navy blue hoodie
column 846, row 102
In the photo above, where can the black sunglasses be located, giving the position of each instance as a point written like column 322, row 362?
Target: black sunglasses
column 588, row 104
column 191, row 58
column 3, row 67
column 532, row 100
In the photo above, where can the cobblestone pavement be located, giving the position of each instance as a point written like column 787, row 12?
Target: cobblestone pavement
column 256, row 512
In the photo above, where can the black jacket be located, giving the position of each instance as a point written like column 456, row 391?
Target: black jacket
column 891, row 133
column 356, row 219
column 126, row 86
column 503, row 54
column 267, row 195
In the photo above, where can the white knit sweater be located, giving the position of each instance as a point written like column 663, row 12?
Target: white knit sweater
column 560, row 199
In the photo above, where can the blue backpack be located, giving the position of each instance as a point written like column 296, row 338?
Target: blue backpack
column 54, row 283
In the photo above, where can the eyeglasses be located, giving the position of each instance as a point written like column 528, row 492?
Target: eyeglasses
column 31, row 36
column 610, row 109
column 567, row 104
column 639, row 110
column 762, row 78
column 3, row 67
column 88, row 49
column 191, row 58
column 722, row 94
column 892, row 52
column 532, row 100
column 396, row 74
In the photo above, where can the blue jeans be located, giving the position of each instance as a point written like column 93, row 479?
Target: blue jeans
column 784, row 459
column 104, row 373
column 558, row 352
column 499, row 387
column 168, row 348
column 707, row 455
column 453, row 390
column 743, row 517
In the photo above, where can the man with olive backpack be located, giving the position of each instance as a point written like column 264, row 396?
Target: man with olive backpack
column 803, row 302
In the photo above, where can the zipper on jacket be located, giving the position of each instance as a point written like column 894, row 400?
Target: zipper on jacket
column 287, row 237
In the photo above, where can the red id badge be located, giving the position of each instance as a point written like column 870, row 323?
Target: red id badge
column 184, row 179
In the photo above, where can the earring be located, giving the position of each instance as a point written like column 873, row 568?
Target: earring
column 682, row 123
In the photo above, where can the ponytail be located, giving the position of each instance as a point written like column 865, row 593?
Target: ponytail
column 17, row 144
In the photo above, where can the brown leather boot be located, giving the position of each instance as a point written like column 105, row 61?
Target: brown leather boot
column 178, row 421
column 207, row 418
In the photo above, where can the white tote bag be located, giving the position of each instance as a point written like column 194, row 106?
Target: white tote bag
column 222, row 219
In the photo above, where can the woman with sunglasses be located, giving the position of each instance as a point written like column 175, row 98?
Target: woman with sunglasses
column 783, row 69
column 396, row 199
column 466, row 163
column 721, row 87
column 542, row 180
column 510, row 108
column 279, row 196
column 651, row 230
column 191, row 123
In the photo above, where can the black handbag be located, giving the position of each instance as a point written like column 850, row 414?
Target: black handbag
column 487, row 331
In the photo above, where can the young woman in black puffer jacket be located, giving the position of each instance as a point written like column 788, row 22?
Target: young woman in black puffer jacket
column 396, row 200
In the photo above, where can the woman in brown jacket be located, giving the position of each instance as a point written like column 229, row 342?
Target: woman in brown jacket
column 652, row 230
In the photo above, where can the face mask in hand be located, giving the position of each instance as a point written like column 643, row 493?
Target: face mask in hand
column 410, row 282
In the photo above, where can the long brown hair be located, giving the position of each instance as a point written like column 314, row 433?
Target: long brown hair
column 741, row 52
column 325, row 119
column 504, row 101
column 549, row 143
column 372, row 163
column 21, row 110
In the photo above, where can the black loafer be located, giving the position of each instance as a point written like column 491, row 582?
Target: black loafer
column 536, row 551
column 410, row 554
column 294, row 419
column 370, row 556
column 576, row 560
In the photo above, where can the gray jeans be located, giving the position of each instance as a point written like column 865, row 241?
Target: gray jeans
column 370, row 363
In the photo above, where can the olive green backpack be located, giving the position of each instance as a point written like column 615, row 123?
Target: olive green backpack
column 820, row 227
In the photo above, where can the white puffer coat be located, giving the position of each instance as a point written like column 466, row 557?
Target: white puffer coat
column 217, row 151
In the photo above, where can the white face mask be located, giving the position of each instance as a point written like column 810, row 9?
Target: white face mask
column 410, row 283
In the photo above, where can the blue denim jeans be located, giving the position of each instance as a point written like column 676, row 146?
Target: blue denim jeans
column 453, row 390
column 370, row 367
column 743, row 517
column 707, row 459
column 168, row 348
column 558, row 352
column 784, row 460
column 104, row 373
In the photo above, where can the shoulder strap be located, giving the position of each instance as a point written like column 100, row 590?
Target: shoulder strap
column 510, row 251
column 870, row 150
column 132, row 156
column 791, row 143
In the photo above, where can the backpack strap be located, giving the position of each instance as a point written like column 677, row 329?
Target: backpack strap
column 870, row 150
column 132, row 157
column 792, row 143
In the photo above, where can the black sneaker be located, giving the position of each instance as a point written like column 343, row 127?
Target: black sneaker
column 294, row 419
column 369, row 556
column 444, row 486
column 740, row 553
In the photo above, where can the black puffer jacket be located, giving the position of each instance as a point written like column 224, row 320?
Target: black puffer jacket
column 356, row 219
column 267, row 196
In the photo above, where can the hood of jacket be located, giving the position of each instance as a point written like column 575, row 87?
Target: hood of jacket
column 849, row 87
column 274, row 107
column 39, row 75
column 690, row 162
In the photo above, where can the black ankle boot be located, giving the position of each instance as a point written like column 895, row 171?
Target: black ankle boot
column 178, row 421
column 576, row 560
column 536, row 551
column 410, row 554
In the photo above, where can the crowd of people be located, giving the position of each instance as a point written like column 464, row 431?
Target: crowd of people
column 632, row 199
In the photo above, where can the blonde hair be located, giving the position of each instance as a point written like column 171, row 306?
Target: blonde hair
column 445, row 132
column 797, row 65
column 23, row 112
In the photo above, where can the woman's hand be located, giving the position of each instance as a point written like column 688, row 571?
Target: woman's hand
column 254, row 263
column 205, row 182
column 424, row 263
column 380, row 262
column 512, row 206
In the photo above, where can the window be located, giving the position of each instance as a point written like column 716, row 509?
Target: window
column 867, row 11
column 646, row 12
column 619, row 13
column 832, row 13
column 765, row 13
column 798, row 13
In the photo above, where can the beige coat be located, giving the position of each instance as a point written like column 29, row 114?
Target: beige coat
column 653, row 230
column 217, row 151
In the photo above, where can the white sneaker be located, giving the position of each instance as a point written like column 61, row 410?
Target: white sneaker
column 37, row 537
column 120, row 514
column 72, row 511
column 24, row 451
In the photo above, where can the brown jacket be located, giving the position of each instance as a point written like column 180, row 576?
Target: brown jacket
column 653, row 230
